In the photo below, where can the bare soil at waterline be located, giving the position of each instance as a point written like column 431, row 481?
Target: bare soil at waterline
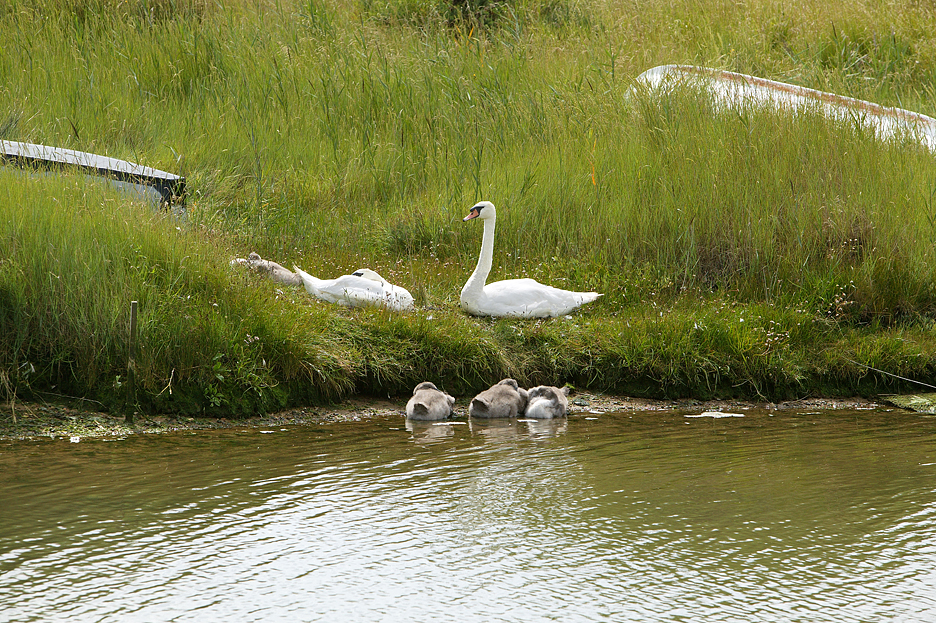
column 35, row 420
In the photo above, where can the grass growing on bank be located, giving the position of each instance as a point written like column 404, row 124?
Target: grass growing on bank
column 77, row 252
column 740, row 255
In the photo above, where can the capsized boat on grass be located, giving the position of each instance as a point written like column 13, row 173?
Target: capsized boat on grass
column 167, row 189
column 734, row 90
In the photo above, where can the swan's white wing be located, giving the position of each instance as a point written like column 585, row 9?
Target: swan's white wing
column 398, row 298
column 527, row 298
column 355, row 291
column 370, row 291
column 347, row 289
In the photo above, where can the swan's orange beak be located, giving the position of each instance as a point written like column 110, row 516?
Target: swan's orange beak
column 475, row 213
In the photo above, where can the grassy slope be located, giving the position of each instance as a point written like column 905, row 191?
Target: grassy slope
column 750, row 255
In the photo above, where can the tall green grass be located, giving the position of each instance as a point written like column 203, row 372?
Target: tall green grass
column 338, row 135
column 77, row 252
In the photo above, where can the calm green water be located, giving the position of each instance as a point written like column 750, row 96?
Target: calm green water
column 627, row 517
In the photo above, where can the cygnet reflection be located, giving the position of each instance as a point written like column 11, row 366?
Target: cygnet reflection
column 545, row 428
column 429, row 432
column 520, row 428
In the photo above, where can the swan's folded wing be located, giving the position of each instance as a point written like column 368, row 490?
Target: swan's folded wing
column 363, row 292
column 528, row 298
column 398, row 298
column 355, row 291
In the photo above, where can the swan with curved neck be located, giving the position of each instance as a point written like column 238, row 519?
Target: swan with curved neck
column 523, row 298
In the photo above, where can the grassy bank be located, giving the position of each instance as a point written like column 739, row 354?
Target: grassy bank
column 741, row 255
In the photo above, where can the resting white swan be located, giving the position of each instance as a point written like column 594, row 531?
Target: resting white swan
column 524, row 298
column 362, row 288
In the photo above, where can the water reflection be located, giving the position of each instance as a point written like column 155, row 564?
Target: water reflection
column 494, row 430
column 629, row 517
column 427, row 432
column 508, row 429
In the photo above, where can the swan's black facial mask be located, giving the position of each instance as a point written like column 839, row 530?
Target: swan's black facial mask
column 474, row 213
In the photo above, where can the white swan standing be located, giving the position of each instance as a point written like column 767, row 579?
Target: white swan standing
column 362, row 288
column 523, row 298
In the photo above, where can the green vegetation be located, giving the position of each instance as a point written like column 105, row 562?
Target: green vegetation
column 746, row 254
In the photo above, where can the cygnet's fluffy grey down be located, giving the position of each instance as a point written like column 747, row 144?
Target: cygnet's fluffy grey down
column 269, row 267
column 429, row 403
column 545, row 402
column 506, row 399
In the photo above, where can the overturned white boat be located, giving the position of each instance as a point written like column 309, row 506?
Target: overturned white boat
column 734, row 89
column 151, row 184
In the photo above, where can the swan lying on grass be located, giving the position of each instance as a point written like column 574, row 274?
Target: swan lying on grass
column 275, row 271
column 429, row 403
column 362, row 288
column 522, row 298
column 506, row 399
column 545, row 402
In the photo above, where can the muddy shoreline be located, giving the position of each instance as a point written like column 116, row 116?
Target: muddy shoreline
column 48, row 420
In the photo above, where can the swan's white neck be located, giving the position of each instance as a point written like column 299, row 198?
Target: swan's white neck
column 475, row 283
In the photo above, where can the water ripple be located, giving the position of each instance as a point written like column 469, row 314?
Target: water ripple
column 805, row 517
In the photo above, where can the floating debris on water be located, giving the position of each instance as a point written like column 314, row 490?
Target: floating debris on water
column 717, row 414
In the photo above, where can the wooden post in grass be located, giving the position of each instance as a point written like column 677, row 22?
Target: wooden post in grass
column 131, row 364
